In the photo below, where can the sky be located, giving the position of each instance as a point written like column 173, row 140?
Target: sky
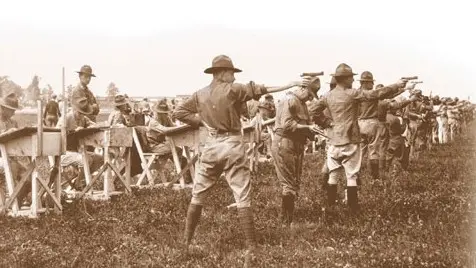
column 160, row 48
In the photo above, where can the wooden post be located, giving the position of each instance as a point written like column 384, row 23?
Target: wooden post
column 65, row 110
column 39, row 133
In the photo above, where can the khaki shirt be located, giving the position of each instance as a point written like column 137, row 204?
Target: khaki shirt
column 74, row 121
column 79, row 92
column 343, row 105
column 219, row 105
column 290, row 112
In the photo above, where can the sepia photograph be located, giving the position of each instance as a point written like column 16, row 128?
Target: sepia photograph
column 237, row 134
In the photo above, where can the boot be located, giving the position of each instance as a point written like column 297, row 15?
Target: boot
column 382, row 165
column 374, row 169
column 288, row 209
column 193, row 216
column 352, row 200
column 331, row 200
column 324, row 179
column 245, row 216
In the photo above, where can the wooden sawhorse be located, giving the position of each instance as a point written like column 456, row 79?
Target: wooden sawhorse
column 31, row 142
column 106, row 138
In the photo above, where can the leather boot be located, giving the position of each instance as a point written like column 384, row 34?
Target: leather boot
column 245, row 216
column 324, row 180
column 288, row 209
column 374, row 169
column 331, row 201
column 352, row 200
column 193, row 216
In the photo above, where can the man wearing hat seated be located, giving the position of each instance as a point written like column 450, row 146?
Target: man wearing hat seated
column 219, row 106
column 121, row 113
column 52, row 112
column 72, row 160
column 156, row 141
column 82, row 91
column 344, row 136
column 18, row 164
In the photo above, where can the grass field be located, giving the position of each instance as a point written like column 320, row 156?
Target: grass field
column 421, row 219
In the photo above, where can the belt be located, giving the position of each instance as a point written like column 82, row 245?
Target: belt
column 222, row 133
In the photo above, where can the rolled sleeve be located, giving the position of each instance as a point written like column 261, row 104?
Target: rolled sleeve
column 246, row 92
column 316, row 112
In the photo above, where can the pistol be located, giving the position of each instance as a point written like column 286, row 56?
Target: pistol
column 410, row 78
column 312, row 74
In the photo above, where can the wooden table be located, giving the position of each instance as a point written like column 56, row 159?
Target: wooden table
column 105, row 138
column 31, row 142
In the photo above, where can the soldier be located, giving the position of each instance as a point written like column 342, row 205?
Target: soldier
column 52, row 112
column 82, row 91
column 371, row 131
column 325, row 169
column 156, row 141
column 267, row 111
column 121, row 113
column 9, row 103
column 72, row 160
column 344, row 136
column 219, row 106
column 293, row 128
column 414, row 112
column 382, row 127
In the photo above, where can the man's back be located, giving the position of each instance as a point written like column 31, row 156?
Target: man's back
column 52, row 108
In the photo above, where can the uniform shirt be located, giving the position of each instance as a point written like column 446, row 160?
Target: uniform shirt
column 52, row 108
column 384, row 106
column 74, row 121
column 81, row 91
column 343, row 105
column 7, row 124
column 117, row 117
column 154, row 137
column 370, row 108
column 219, row 105
column 291, row 111
column 395, row 125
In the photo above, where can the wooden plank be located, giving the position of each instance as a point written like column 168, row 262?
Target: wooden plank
column 27, row 145
column 25, row 131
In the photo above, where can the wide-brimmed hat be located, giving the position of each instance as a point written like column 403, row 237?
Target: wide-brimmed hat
column 343, row 70
column 120, row 100
column 82, row 105
column 86, row 69
column 161, row 107
column 10, row 101
column 367, row 77
column 221, row 62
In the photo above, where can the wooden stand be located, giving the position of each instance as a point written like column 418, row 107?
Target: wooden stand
column 105, row 138
column 30, row 142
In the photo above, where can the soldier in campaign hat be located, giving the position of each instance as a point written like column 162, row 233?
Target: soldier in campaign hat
column 82, row 90
column 218, row 106
column 344, row 135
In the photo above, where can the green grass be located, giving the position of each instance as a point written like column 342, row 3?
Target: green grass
column 424, row 219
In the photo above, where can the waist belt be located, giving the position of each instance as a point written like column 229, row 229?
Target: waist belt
column 223, row 133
